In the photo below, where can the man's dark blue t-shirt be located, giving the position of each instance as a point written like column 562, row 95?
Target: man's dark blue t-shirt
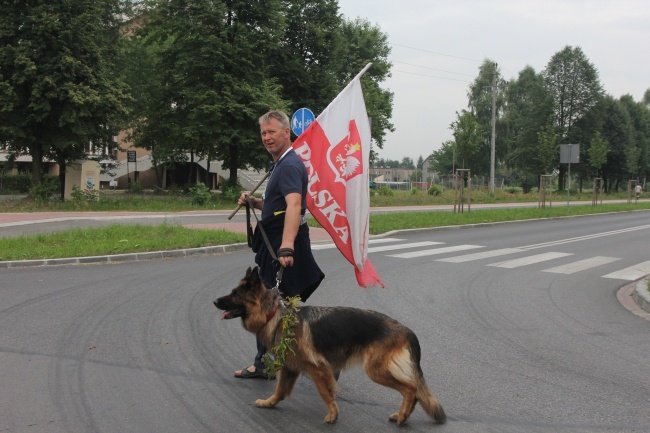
column 288, row 176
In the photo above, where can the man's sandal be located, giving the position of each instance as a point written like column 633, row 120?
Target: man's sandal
column 257, row 374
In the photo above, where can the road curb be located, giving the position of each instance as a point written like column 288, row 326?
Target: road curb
column 641, row 295
column 119, row 258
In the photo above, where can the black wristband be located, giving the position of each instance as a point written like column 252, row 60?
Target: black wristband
column 285, row 252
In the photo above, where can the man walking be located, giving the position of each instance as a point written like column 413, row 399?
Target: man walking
column 283, row 207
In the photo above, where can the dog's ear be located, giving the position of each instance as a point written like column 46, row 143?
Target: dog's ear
column 254, row 276
column 249, row 271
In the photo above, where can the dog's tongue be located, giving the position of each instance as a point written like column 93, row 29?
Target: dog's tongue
column 225, row 315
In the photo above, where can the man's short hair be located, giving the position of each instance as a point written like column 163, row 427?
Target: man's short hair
column 278, row 115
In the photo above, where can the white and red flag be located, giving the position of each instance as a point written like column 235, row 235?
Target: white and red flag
column 336, row 152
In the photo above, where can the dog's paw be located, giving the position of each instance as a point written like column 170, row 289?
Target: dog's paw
column 331, row 417
column 396, row 419
column 268, row 403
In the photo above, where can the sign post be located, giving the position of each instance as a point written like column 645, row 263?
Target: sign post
column 301, row 119
column 569, row 153
column 130, row 157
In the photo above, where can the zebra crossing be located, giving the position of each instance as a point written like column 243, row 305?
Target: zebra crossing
column 431, row 248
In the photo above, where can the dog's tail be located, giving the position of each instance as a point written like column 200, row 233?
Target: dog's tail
column 429, row 402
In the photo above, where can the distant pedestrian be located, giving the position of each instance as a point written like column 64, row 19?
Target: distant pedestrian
column 638, row 190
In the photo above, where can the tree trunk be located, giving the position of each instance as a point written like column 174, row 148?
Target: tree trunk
column 234, row 162
column 560, row 179
column 208, row 178
column 37, row 164
column 62, row 169
column 190, row 175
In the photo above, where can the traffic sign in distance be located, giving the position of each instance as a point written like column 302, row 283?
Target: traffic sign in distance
column 301, row 119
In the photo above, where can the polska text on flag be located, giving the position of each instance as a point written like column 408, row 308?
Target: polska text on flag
column 336, row 152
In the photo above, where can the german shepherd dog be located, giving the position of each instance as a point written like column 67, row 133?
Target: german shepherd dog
column 330, row 339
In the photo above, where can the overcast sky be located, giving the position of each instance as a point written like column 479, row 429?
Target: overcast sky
column 438, row 46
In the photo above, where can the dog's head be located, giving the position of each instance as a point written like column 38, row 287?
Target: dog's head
column 245, row 299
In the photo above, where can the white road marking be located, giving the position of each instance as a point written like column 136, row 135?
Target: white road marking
column 481, row 255
column 584, row 238
column 371, row 241
column 632, row 273
column 581, row 265
column 525, row 261
column 402, row 246
column 443, row 250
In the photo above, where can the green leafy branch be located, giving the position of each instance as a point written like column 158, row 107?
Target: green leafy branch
column 288, row 322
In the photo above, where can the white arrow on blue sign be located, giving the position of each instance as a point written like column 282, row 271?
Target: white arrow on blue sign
column 301, row 119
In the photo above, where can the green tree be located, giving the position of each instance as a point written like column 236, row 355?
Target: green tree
column 617, row 131
column 469, row 137
column 597, row 152
column 442, row 160
column 141, row 69
column 638, row 150
column 480, row 105
column 407, row 162
column 307, row 60
column 363, row 43
column 420, row 162
column 527, row 111
column 575, row 88
column 216, row 80
column 59, row 90
column 547, row 151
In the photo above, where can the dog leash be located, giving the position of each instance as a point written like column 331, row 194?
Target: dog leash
column 282, row 251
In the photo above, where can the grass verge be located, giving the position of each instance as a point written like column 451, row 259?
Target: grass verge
column 122, row 239
column 382, row 223
column 113, row 239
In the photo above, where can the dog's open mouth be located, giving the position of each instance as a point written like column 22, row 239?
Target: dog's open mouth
column 232, row 314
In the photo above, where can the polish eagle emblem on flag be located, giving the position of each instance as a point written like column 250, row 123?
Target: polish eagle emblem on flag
column 345, row 158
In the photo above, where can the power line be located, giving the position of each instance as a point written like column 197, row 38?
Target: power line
column 431, row 76
column 433, row 69
column 434, row 52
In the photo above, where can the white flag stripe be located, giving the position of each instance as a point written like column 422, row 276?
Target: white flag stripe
column 371, row 241
column 581, row 265
column 632, row 273
column 481, row 255
column 524, row 261
column 433, row 252
column 402, row 246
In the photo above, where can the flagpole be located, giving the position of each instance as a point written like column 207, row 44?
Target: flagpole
column 363, row 71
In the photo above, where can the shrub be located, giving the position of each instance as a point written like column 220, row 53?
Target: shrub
column 230, row 193
column 17, row 183
column 513, row 189
column 82, row 196
column 414, row 191
column 43, row 192
column 434, row 190
column 135, row 187
column 200, row 194
column 385, row 190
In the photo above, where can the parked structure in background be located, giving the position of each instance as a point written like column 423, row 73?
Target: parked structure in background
column 118, row 173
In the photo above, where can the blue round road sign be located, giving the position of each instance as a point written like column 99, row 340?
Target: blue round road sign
column 301, row 120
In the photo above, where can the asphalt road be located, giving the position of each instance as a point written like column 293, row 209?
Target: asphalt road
column 519, row 324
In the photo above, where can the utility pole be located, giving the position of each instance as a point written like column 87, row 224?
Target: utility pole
column 494, row 88
column 493, row 124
